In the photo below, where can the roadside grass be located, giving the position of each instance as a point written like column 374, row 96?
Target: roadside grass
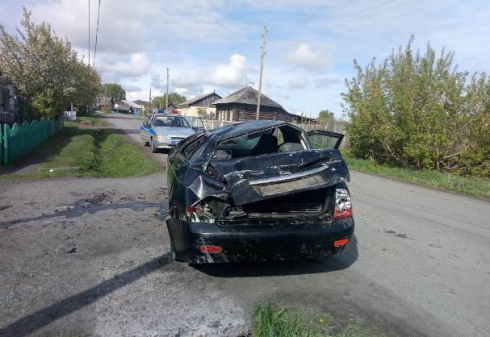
column 474, row 187
column 271, row 320
column 92, row 121
column 88, row 148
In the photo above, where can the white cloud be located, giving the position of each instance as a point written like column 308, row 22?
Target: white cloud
column 190, row 79
column 299, row 83
column 139, row 64
column 325, row 82
column 304, row 57
column 232, row 74
column 156, row 81
column 121, row 28
column 131, row 88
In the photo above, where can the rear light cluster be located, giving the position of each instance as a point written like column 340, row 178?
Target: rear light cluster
column 343, row 204
column 200, row 214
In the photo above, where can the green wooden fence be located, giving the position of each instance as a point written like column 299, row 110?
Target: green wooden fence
column 19, row 139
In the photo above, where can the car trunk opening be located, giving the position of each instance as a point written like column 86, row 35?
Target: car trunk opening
column 300, row 206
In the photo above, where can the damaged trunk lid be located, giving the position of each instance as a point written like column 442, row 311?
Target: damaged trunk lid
column 252, row 179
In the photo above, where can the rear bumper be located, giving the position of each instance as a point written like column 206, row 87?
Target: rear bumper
column 262, row 242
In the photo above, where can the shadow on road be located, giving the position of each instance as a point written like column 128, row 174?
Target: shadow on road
column 282, row 268
column 31, row 323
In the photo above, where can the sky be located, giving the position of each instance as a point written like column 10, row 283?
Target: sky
column 214, row 45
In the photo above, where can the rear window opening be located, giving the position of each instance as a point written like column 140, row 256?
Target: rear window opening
column 275, row 140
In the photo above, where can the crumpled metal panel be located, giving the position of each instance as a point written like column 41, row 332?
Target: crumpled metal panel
column 251, row 179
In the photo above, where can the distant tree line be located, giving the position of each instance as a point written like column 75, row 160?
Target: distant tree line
column 113, row 90
column 417, row 110
column 45, row 71
column 173, row 97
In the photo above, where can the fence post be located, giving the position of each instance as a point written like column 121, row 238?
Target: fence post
column 5, row 145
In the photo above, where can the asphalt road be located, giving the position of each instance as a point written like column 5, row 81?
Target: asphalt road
column 419, row 265
column 130, row 125
column 423, row 261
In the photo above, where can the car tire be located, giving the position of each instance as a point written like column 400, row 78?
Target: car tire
column 147, row 143
column 173, row 255
column 153, row 148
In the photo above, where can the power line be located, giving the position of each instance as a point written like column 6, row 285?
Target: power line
column 97, row 33
column 354, row 15
column 404, row 14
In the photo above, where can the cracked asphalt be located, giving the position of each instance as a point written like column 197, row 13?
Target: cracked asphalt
column 89, row 257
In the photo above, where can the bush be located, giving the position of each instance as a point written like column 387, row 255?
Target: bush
column 418, row 111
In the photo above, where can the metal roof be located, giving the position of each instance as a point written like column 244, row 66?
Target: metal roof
column 132, row 104
column 248, row 95
column 197, row 99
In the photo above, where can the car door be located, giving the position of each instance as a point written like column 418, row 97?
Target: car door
column 144, row 130
column 322, row 139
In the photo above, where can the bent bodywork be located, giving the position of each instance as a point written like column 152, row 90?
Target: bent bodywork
column 229, row 203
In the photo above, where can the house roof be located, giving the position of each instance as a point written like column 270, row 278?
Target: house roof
column 121, row 105
column 248, row 95
column 141, row 102
column 132, row 104
column 198, row 98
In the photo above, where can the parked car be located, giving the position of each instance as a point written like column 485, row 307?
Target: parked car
column 196, row 123
column 261, row 190
column 162, row 131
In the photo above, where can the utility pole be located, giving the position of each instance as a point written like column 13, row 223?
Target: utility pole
column 166, row 97
column 89, row 33
column 88, row 107
column 262, row 55
column 149, row 105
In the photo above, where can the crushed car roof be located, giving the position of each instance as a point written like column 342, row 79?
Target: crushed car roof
column 235, row 130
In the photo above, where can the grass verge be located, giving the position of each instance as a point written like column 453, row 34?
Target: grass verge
column 271, row 320
column 85, row 148
column 474, row 187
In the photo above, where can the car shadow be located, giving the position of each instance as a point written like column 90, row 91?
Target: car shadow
column 284, row 268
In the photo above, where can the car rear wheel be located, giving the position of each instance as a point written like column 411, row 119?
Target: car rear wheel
column 153, row 148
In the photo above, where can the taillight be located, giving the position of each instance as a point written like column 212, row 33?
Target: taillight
column 211, row 249
column 343, row 204
column 340, row 243
column 191, row 210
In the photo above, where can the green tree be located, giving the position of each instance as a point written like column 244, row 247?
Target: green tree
column 113, row 90
column 201, row 111
column 45, row 70
column 417, row 110
column 173, row 97
column 324, row 116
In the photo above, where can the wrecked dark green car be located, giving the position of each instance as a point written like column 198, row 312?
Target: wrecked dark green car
column 258, row 191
